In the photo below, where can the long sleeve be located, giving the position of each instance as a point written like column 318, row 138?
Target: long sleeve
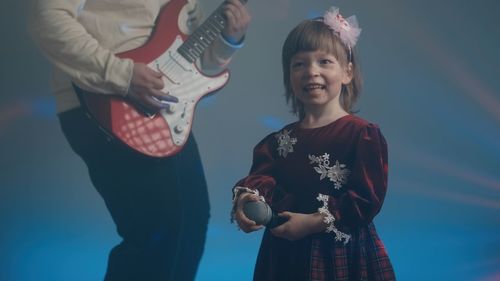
column 365, row 194
column 261, row 177
column 74, row 51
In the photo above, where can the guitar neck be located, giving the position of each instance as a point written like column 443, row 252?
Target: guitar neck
column 204, row 35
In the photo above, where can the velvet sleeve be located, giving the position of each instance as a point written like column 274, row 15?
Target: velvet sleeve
column 366, row 190
column 260, row 178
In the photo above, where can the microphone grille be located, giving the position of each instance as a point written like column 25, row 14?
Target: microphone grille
column 258, row 211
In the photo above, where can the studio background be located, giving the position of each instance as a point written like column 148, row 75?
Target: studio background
column 431, row 73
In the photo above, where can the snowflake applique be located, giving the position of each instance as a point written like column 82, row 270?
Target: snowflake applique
column 337, row 173
column 285, row 143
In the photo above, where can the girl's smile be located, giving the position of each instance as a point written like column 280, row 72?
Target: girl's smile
column 313, row 86
column 317, row 78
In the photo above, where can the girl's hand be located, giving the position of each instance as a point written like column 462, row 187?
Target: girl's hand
column 299, row 226
column 245, row 224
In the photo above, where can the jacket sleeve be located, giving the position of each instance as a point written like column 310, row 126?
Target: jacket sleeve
column 68, row 46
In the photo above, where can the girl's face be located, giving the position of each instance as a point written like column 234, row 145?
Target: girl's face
column 316, row 78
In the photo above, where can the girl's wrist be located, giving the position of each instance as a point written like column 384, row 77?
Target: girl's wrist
column 318, row 224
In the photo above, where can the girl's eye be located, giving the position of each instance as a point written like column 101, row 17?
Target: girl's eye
column 325, row 61
column 297, row 64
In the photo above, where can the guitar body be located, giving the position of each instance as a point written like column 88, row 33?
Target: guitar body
column 165, row 133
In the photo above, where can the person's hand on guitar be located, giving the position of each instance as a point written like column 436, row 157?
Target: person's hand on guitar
column 238, row 19
column 146, row 89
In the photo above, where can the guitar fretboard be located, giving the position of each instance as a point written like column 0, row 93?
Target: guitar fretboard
column 204, row 35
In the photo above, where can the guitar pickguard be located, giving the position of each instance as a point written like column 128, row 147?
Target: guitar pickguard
column 184, row 81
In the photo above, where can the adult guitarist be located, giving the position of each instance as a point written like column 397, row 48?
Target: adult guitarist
column 160, row 206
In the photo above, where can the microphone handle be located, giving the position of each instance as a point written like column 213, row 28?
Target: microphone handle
column 276, row 221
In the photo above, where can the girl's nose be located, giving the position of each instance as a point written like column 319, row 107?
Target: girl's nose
column 312, row 70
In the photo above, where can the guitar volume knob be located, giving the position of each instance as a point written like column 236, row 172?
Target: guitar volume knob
column 171, row 108
column 179, row 129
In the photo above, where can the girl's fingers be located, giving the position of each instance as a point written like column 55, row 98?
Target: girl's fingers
column 285, row 214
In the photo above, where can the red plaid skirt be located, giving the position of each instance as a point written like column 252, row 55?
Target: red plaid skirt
column 364, row 258
column 320, row 258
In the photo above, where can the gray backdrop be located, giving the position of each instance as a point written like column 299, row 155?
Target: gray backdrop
column 431, row 82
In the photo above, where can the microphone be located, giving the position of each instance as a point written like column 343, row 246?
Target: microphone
column 261, row 213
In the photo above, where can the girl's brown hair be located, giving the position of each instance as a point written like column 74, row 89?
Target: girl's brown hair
column 312, row 35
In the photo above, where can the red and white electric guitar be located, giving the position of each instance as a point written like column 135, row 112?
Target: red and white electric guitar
column 173, row 53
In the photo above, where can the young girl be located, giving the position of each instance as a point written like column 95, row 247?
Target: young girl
column 327, row 173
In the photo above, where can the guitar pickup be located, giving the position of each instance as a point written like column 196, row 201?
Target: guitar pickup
column 171, row 79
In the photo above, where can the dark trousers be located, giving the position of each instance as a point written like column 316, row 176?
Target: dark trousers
column 160, row 206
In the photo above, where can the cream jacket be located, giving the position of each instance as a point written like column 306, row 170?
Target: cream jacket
column 81, row 37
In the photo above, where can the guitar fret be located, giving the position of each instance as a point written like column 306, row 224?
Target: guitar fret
column 211, row 30
column 200, row 38
column 218, row 24
column 189, row 56
column 207, row 35
column 186, row 54
column 193, row 52
column 203, row 44
column 210, row 34
column 198, row 48
column 212, row 26
column 215, row 23
column 194, row 45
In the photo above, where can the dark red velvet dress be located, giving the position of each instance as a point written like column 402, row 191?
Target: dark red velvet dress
column 346, row 162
